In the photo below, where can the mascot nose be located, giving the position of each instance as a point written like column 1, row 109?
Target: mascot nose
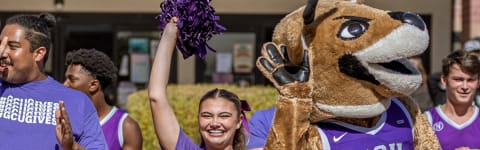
column 410, row 18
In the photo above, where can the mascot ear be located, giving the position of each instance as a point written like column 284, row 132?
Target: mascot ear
column 289, row 30
column 309, row 12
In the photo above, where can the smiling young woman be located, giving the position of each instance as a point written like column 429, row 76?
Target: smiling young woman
column 219, row 120
column 219, row 116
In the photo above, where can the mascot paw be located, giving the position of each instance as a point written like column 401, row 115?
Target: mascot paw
column 291, row 80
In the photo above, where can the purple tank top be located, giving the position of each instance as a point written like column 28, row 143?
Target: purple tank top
column 392, row 132
column 112, row 128
column 452, row 135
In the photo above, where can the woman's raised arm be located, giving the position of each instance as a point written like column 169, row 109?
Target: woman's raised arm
column 164, row 119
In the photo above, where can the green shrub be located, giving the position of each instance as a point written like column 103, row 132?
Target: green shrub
column 184, row 100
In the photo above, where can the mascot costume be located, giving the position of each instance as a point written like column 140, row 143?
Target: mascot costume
column 342, row 73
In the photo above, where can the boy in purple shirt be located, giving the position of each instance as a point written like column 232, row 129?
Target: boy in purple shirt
column 92, row 72
column 456, row 122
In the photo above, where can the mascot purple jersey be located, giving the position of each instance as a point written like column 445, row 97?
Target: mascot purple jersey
column 393, row 131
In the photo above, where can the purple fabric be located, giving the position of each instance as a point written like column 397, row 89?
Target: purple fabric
column 452, row 135
column 110, row 130
column 260, row 124
column 394, row 132
column 197, row 23
column 185, row 143
column 27, row 116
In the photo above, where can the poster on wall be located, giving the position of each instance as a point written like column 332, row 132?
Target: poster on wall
column 124, row 89
column 224, row 62
column 139, row 67
column 123, row 71
column 138, row 45
column 243, row 57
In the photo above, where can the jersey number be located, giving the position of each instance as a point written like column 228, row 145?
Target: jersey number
column 392, row 146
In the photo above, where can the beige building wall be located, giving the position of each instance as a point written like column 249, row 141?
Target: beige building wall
column 475, row 18
column 440, row 10
column 151, row 6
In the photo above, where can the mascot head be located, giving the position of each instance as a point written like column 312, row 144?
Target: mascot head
column 358, row 55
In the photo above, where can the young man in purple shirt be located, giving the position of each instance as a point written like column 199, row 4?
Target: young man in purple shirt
column 29, row 98
column 92, row 72
column 456, row 122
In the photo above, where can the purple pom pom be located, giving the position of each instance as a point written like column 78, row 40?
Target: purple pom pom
column 197, row 23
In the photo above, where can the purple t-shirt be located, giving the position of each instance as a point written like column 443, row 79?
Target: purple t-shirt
column 27, row 116
column 452, row 135
column 112, row 128
column 260, row 124
column 393, row 132
column 185, row 143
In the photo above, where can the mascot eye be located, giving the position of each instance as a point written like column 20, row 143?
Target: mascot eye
column 352, row 29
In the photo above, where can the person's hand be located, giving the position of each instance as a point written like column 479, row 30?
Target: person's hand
column 273, row 64
column 171, row 30
column 63, row 129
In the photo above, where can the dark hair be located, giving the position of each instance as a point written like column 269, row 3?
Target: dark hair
column 37, row 30
column 467, row 61
column 240, row 134
column 97, row 63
